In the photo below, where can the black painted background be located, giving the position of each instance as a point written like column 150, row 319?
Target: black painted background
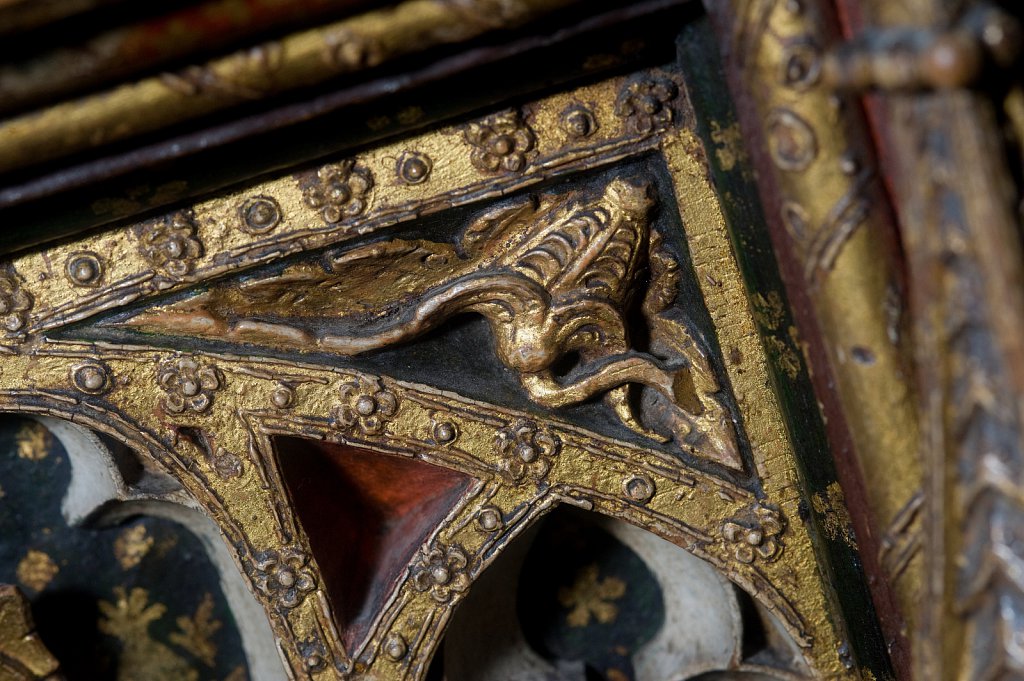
column 175, row 572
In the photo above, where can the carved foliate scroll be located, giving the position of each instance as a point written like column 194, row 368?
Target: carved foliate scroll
column 553, row 277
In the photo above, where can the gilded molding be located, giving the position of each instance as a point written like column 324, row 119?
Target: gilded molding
column 298, row 60
column 190, row 245
column 285, row 576
column 826, row 194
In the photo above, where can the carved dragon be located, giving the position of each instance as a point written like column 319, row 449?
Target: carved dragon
column 552, row 277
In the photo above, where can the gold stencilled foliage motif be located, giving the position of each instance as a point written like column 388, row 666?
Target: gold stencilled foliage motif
column 141, row 592
column 128, row 618
column 132, row 545
column 37, row 569
column 590, row 596
column 33, row 441
column 194, row 633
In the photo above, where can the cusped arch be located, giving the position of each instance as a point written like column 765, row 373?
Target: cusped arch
column 109, row 485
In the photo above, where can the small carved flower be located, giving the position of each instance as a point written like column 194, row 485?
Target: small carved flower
column 15, row 303
column 341, row 190
column 284, row 576
column 170, row 244
column 500, row 141
column 441, row 571
column 527, row 450
column 645, row 104
column 188, row 384
column 366, row 404
column 755, row 534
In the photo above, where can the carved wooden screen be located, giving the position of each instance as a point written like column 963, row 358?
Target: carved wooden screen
column 375, row 383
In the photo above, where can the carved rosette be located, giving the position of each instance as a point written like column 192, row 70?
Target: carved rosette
column 188, row 384
column 15, row 303
column 441, row 570
column 646, row 104
column 500, row 142
column 366, row 405
column 527, row 451
column 340, row 190
column 283, row 576
column 170, row 245
column 755, row 533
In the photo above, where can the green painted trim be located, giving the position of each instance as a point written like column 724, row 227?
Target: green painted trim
column 851, row 599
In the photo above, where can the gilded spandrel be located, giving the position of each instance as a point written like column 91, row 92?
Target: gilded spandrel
column 554, row 273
